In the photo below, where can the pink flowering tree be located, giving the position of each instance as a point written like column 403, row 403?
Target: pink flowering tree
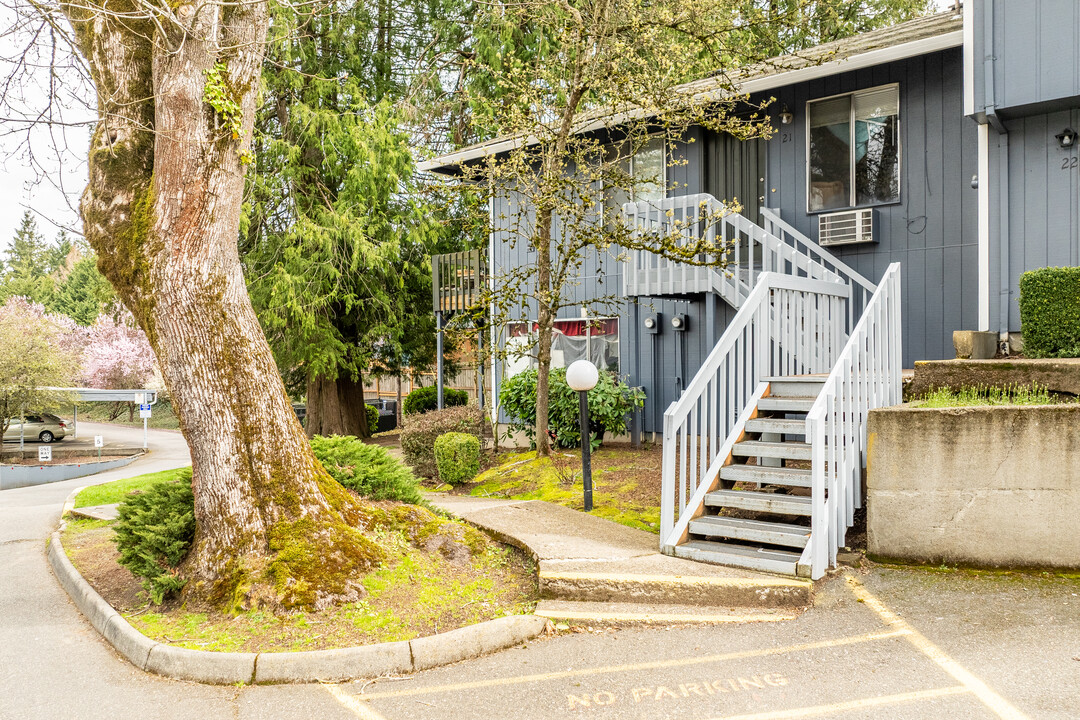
column 116, row 355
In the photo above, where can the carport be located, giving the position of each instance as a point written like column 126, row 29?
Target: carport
column 142, row 397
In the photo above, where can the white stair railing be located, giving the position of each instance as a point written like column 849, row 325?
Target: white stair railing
column 861, row 288
column 744, row 250
column 787, row 325
column 867, row 375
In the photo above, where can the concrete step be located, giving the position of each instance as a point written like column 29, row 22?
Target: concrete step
column 791, row 477
column 784, row 450
column 706, row 590
column 784, row 403
column 751, row 530
column 579, row 613
column 761, row 559
column 797, row 385
column 759, row 502
column 776, row 425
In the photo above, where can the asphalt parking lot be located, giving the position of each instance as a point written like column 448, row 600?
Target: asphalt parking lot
column 951, row 645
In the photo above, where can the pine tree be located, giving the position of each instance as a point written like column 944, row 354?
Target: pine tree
column 27, row 264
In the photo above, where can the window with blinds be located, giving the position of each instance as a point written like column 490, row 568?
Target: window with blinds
column 853, row 153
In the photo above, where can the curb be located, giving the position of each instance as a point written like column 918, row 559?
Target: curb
column 220, row 668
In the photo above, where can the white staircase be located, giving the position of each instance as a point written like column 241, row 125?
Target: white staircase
column 764, row 450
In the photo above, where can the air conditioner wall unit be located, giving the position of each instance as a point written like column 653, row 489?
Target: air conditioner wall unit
column 850, row 227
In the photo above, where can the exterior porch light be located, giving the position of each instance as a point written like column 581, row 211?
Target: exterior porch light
column 1066, row 138
column 786, row 116
column 582, row 376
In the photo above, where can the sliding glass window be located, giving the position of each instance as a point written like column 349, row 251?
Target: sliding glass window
column 853, row 149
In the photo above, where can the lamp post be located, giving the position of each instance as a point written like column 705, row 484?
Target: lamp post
column 582, row 376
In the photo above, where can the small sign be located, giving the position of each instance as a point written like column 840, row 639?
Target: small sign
column 144, row 411
column 99, row 441
column 44, row 453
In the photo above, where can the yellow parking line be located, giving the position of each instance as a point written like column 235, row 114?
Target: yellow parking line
column 359, row 707
column 658, row 664
column 997, row 704
column 819, row 710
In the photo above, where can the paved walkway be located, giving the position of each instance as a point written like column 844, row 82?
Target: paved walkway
column 891, row 644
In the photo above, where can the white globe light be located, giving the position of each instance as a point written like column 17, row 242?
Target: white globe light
column 582, row 375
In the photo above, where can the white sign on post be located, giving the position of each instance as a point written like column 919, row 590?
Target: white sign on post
column 144, row 411
column 99, row 441
column 44, row 453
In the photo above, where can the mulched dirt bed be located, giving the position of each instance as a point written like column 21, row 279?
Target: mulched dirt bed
column 447, row 581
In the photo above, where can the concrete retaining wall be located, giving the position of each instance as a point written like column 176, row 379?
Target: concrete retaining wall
column 988, row 486
column 1059, row 375
column 16, row 476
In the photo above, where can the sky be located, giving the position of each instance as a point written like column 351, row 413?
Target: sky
column 42, row 167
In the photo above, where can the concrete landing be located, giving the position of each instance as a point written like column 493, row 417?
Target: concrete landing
column 636, row 613
column 97, row 512
column 586, row 558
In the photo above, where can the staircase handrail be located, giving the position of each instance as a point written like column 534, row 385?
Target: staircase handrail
column 806, row 246
column 771, row 333
column 866, row 375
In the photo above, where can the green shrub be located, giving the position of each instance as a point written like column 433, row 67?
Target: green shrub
column 1050, row 312
column 457, row 456
column 609, row 404
column 154, row 533
column 426, row 399
column 368, row 469
column 419, row 433
column 372, row 418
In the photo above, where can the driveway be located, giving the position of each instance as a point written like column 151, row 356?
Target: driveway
column 888, row 644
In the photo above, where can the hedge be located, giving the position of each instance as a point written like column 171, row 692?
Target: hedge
column 457, row 456
column 1050, row 312
column 426, row 399
column 419, row 433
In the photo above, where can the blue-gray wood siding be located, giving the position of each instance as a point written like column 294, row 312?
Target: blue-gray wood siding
column 1034, row 55
column 933, row 230
column 1044, row 191
column 646, row 360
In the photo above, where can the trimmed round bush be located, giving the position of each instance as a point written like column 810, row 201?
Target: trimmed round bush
column 372, row 418
column 155, row 531
column 426, row 399
column 368, row 469
column 1050, row 312
column 419, row 433
column 457, row 456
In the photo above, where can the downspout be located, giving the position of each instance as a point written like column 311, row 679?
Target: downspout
column 990, row 107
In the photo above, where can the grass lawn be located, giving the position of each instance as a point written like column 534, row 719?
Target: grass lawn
column 117, row 490
column 626, row 482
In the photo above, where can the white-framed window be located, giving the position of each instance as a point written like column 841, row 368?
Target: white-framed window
column 853, row 149
column 594, row 339
column 648, row 167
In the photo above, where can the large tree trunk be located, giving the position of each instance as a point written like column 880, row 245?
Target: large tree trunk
column 545, row 321
column 162, row 209
column 336, row 407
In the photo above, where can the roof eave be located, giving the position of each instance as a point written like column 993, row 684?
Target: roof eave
column 447, row 164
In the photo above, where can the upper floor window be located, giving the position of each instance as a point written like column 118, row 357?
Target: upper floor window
column 648, row 167
column 854, row 149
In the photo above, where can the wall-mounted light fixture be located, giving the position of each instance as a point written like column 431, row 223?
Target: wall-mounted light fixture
column 1067, row 138
column 786, row 117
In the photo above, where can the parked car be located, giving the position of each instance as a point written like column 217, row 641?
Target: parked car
column 44, row 428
